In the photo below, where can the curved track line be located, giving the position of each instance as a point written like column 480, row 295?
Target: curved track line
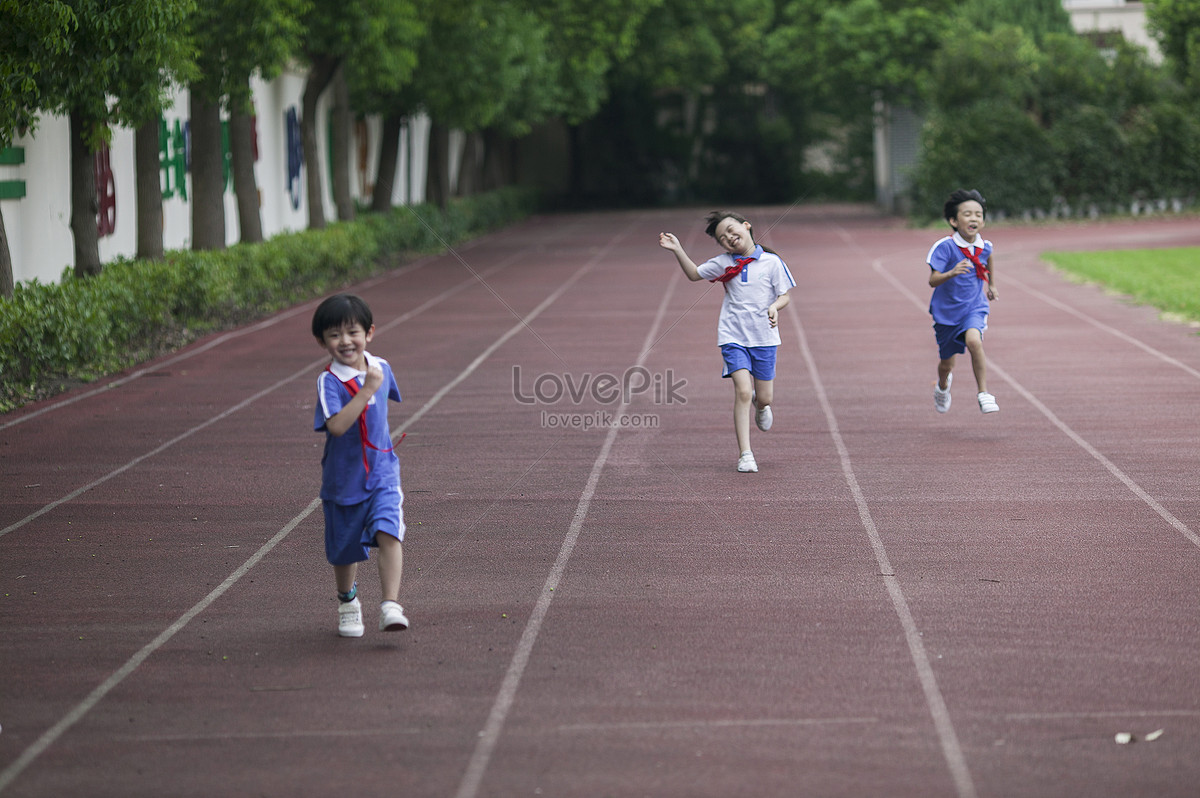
column 1129, row 339
column 947, row 737
column 1112, row 467
column 96, row 695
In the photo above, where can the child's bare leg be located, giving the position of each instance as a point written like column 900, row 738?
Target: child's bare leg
column 764, row 392
column 974, row 341
column 345, row 575
column 743, row 390
column 391, row 565
column 944, row 368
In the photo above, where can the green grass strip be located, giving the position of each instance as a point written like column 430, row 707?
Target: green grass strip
column 1167, row 279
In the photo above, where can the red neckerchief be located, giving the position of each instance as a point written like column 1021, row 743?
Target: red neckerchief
column 352, row 386
column 732, row 271
column 980, row 270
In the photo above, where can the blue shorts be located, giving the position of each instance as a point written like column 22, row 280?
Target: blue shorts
column 758, row 360
column 952, row 338
column 350, row 529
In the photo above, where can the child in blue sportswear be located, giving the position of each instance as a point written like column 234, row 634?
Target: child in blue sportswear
column 963, row 277
column 360, row 473
column 756, row 283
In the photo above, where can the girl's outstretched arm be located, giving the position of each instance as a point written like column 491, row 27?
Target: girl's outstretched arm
column 668, row 241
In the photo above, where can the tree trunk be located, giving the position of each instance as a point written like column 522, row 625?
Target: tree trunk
column 149, row 191
column 241, row 150
column 84, row 205
column 318, row 79
column 495, row 169
column 389, row 157
column 342, row 120
column 208, row 179
column 574, row 161
column 6, row 270
column 437, row 175
column 471, row 167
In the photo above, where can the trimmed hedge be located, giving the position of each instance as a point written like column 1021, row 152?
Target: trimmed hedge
column 52, row 336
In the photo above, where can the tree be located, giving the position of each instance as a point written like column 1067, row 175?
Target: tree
column 370, row 32
column 376, row 83
column 590, row 38
column 34, row 34
column 1175, row 24
column 467, row 74
column 1037, row 18
column 116, row 69
column 234, row 39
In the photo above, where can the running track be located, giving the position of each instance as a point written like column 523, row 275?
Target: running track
column 898, row 604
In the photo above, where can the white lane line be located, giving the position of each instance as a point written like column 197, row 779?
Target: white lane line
column 1112, row 467
column 154, row 367
column 1135, row 713
column 52, row 734
column 93, row 698
column 505, row 697
column 190, row 353
column 943, row 725
column 1129, row 339
column 310, row 368
column 703, row 725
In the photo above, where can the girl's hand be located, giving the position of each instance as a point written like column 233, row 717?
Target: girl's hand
column 668, row 241
column 773, row 316
column 991, row 292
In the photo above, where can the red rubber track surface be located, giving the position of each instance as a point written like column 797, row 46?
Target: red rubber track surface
column 899, row 603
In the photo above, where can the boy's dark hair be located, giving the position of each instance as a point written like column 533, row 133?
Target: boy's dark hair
column 714, row 219
column 958, row 198
column 340, row 309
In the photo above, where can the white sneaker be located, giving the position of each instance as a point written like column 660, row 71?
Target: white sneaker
column 746, row 463
column 350, row 618
column 987, row 402
column 391, row 617
column 941, row 399
column 763, row 417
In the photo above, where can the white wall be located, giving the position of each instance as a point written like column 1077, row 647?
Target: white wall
column 39, row 224
column 1113, row 16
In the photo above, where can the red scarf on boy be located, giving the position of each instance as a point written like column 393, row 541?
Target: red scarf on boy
column 351, row 385
column 980, row 270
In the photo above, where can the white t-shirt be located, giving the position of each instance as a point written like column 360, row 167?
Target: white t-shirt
column 743, row 317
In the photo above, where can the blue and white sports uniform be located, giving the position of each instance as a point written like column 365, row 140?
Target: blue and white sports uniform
column 360, row 482
column 960, row 303
column 743, row 318
column 744, row 334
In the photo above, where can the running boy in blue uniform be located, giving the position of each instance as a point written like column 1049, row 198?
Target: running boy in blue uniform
column 756, row 284
column 963, row 277
column 360, row 474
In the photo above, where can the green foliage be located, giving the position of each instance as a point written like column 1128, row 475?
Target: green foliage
column 119, row 62
column 84, row 328
column 851, row 52
column 33, row 34
column 1051, row 125
column 992, row 146
column 234, row 38
column 1036, row 18
column 1176, row 26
